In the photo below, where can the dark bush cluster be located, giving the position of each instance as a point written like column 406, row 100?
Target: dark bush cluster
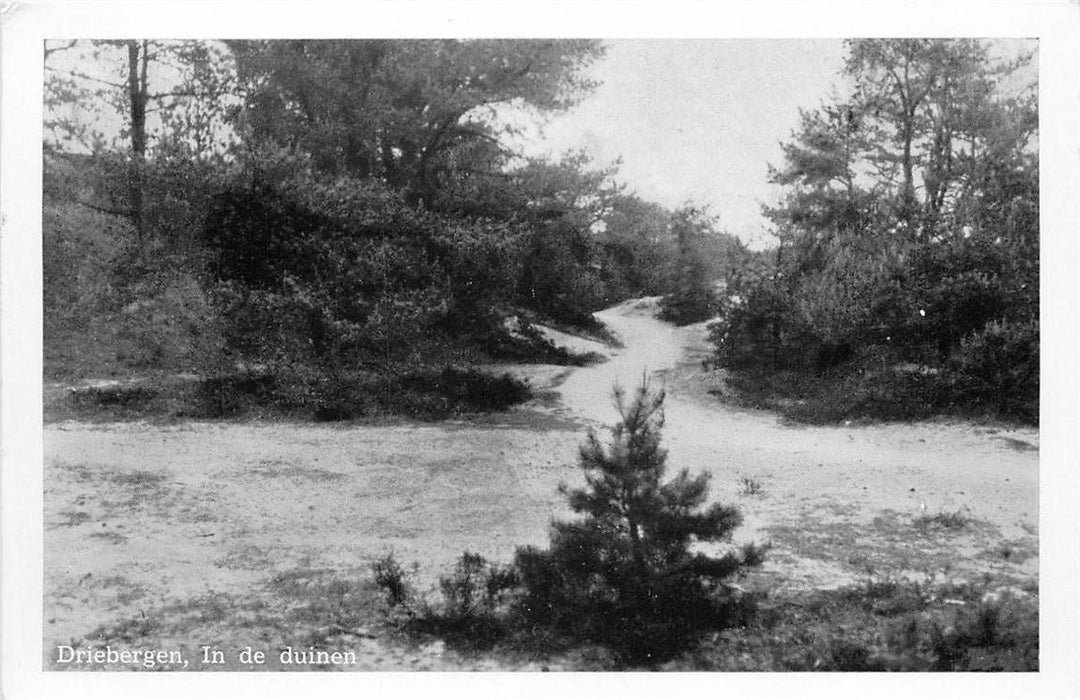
column 997, row 367
column 307, row 394
column 982, row 360
column 875, row 385
column 421, row 394
column 693, row 297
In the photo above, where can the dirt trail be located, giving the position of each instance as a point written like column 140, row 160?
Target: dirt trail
column 166, row 524
column 852, row 474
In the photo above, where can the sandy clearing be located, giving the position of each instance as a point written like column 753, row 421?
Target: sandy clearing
column 139, row 516
column 223, row 505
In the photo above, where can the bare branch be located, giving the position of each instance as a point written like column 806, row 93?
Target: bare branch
column 84, row 76
column 50, row 51
column 213, row 95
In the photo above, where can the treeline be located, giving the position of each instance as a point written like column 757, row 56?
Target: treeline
column 332, row 209
column 906, row 282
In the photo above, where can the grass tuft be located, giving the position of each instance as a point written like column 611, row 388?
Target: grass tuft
column 751, row 486
column 956, row 520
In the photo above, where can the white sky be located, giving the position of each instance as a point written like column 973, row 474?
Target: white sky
column 699, row 120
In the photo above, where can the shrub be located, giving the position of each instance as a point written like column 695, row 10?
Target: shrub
column 227, row 395
column 527, row 344
column 475, row 587
column 693, row 297
column 890, row 624
column 755, row 329
column 424, row 394
column 392, row 579
column 300, row 392
column 625, row 575
column 470, row 389
column 114, row 396
column 995, row 634
column 475, row 606
column 956, row 520
column 998, row 367
column 346, row 273
column 558, row 281
column 877, row 385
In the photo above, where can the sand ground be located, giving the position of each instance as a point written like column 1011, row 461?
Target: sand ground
column 140, row 517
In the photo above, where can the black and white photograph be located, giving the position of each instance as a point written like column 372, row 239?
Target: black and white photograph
column 540, row 351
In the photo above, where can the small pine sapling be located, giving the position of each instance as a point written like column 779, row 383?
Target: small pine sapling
column 626, row 574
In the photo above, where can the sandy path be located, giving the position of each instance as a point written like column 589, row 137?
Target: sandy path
column 139, row 517
column 859, row 472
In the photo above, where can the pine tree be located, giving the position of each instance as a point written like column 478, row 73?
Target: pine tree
column 625, row 574
column 692, row 298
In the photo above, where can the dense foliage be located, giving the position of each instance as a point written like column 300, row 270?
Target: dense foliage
column 353, row 206
column 325, row 208
column 693, row 297
column 909, row 238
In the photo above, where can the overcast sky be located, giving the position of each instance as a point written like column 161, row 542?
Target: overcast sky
column 699, row 120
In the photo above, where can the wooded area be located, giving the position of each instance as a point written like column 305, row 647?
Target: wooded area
column 319, row 209
column 907, row 275
column 309, row 211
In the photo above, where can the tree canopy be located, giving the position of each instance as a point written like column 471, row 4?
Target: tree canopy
column 909, row 225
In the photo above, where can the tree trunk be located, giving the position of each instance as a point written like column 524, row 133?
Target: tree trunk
column 137, row 95
column 907, row 201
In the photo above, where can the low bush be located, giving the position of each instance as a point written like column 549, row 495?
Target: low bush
column 229, row 395
column 476, row 606
column 120, row 396
column 998, row 368
column 305, row 393
column 392, row 579
column 876, row 385
column 844, row 334
column 756, row 329
column 999, row 633
column 956, row 520
column 528, row 344
column 869, row 394
column 690, row 305
column 881, row 625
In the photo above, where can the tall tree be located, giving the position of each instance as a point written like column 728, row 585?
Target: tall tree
column 137, row 78
column 909, row 208
column 922, row 100
column 138, row 97
column 404, row 111
column 640, row 246
column 826, row 198
column 693, row 296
